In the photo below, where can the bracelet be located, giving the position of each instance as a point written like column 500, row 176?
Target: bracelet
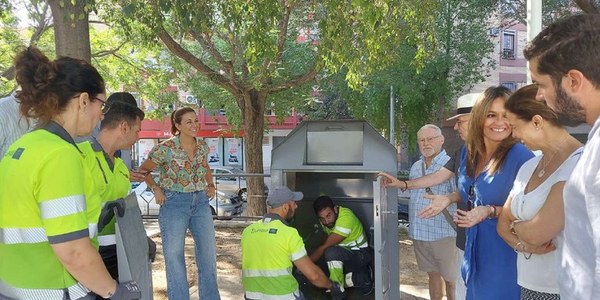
column 210, row 185
column 405, row 186
column 152, row 188
column 517, row 247
column 492, row 213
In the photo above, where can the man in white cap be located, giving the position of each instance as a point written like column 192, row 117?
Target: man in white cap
column 463, row 115
column 271, row 245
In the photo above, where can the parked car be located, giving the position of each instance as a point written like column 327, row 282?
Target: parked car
column 225, row 204
column 231, row 184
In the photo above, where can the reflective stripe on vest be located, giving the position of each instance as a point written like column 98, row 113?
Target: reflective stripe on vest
column 32, row 235
column 107, row 240
column 76, row 291
column 343, row 230
column 22, row 235
column 267, row 273
column 358, row 244
column 256, row 295
column 62, row 207
column 93, row 228
column 298, row 255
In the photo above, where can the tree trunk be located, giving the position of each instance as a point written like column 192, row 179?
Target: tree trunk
column 71, row 29
column 253, row 114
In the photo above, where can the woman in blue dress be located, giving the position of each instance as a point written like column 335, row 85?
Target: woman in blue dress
column 488, row 167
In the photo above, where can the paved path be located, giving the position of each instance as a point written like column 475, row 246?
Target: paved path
column 407, row 292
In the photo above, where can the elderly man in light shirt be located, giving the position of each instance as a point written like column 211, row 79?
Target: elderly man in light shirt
column 434, row 238
column 13, row 123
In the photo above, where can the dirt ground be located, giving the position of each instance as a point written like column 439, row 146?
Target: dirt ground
column 229, row 265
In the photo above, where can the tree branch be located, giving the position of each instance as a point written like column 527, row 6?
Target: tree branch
column 9, row 73
column 237, row 52
column 207, row 44
column 282, row 32
column 587, row 6
column 42, row 20
column 268, row 65
column 179, row 51
column 296, row 81
column 108, row 52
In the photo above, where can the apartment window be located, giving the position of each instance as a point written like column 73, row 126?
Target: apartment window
column 508, row 44
column 511, row 85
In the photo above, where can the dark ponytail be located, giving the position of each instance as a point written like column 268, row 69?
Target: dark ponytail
column 47, row 86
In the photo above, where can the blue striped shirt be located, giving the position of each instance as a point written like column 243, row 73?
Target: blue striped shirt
column 13, row 124
column 435, row 228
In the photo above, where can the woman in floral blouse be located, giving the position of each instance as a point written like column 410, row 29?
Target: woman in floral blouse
column 183, row 191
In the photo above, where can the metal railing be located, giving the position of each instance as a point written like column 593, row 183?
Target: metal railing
column 149, row 208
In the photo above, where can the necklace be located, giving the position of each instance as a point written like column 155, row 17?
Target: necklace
column 546, row 162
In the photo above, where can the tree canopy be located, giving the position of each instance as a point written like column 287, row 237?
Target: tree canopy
column 257, row 50
column 462, row 58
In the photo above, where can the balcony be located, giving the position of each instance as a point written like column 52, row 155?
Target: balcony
column 508, row 53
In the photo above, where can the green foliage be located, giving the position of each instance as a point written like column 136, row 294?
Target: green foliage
column 362, row 36
column 126, row 66
column 515, row 11
column 423, row 92
column 10, row 42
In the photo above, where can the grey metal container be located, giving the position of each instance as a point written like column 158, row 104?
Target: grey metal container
column 341, row 159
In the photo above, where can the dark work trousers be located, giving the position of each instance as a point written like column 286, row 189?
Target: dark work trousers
column 342, row 261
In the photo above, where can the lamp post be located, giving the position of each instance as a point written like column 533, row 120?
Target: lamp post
column 534, row 24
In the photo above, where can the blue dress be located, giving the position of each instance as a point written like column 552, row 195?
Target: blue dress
column 490, row 265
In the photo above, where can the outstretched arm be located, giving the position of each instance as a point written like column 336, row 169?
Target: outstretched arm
column 438, row 203
column 439, row 177
column 313, row 273
column 432, row 179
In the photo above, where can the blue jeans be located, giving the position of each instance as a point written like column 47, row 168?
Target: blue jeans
column 180, row 212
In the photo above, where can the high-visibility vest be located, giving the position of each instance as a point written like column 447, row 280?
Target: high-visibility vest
column 110, row 181
column 350, row 227
column 269, row 247
column 43, row 201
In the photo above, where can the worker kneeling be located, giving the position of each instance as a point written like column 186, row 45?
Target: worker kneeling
column 346, row 249
column 270, row 246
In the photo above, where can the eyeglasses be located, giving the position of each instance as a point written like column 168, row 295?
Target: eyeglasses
column 428, row 140
column 104, row 107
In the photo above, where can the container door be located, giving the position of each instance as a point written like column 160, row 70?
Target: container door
column 385, row 218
